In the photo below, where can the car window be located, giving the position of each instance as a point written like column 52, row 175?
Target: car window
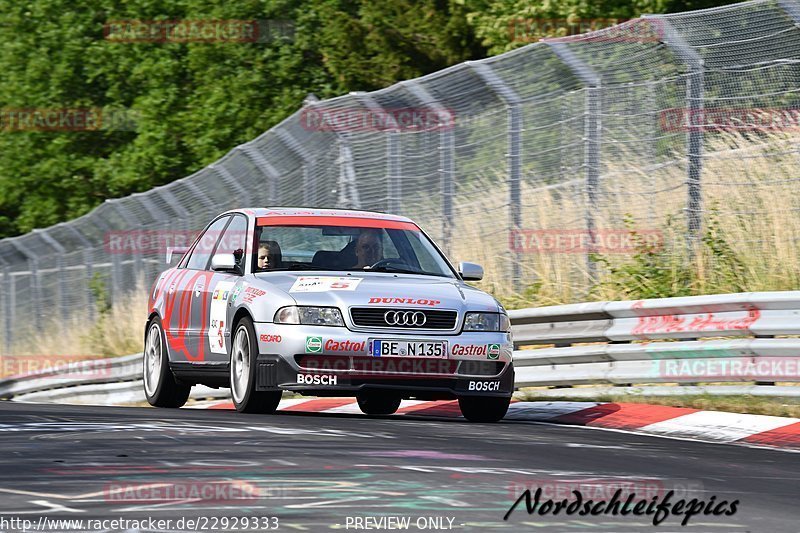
column 335, row 248
column 301, row 243
column 201, row 254
column 233, row 240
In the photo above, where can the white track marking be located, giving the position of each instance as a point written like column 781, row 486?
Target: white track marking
column 716, row 426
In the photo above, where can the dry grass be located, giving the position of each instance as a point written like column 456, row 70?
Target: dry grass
column 118, row 331
column 749, row 190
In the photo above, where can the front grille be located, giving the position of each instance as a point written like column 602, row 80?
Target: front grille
column 365, row 365
column 373, row 317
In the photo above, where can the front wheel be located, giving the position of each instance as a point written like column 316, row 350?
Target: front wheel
column 372, row 403
column 160, row 387
column 483, row 409
column 244, row 354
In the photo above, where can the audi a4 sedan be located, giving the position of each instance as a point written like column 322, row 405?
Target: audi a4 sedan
column 325, row 303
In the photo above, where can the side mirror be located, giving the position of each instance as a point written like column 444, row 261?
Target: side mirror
column 173, row 251
column 223, row 262
column 470, row 271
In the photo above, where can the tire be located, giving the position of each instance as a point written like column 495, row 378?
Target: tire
column 372, row 403
column 160, row 386
column 244, row 353
column 483, row 408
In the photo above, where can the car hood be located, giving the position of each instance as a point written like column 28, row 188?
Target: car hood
column 379, row 289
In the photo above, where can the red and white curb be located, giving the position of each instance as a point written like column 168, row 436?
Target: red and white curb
column 665, row 421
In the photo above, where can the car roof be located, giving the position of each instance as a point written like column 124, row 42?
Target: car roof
column 316, row 212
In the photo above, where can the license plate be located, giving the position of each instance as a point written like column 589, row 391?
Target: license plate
column 432, row 349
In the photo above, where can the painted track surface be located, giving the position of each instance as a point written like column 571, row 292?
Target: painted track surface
column 315, row 470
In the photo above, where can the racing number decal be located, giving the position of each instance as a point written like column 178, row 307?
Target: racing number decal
column 217, row 316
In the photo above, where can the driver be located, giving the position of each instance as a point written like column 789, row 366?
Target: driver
column 369, row 248
column 269, row 255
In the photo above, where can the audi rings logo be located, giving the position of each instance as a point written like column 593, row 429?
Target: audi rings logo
column 405, row 318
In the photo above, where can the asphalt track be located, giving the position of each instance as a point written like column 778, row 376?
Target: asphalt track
column 318, row 472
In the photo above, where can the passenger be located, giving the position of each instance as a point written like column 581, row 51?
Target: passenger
column 269, row 255
column 369, row 248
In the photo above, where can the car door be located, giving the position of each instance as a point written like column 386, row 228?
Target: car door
column 211, row 325
column 186, row 293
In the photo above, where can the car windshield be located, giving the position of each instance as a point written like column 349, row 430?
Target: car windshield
column 317, row 247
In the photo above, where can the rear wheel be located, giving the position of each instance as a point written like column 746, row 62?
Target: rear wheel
column 483, row 409
column 244, row 353
column 372, row 403
column 160, row 386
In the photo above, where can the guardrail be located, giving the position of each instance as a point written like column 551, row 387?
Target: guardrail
column 694, row 339
column 687, row 340
column 116, row 380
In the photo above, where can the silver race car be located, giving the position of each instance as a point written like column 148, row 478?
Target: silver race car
column 325, row 303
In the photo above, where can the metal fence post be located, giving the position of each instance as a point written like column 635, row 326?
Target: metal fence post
column 228, row 178
column 88, row 262
column 446, row 159
column 348, row 184
column 394, row 176
column 62, row 281
column 261, row 164
column 117, row 267
column 5, row 303
column 512, row 102
column 695, row 87
column 394, row 191
column 592, row 132
column 200, row 195
column 36, row 293
column 297, row 148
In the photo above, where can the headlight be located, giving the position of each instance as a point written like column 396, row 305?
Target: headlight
column 486, row 322
column 309, row 316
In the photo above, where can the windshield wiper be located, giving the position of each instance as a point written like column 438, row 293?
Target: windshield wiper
column 400, row 270
column 295, row 267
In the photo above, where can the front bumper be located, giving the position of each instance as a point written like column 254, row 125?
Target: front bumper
column 328, row 361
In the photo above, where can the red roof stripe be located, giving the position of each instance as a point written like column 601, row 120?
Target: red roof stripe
column 354, row 222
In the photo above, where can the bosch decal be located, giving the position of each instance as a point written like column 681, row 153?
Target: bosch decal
column 310, row 379
column 484, row 386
